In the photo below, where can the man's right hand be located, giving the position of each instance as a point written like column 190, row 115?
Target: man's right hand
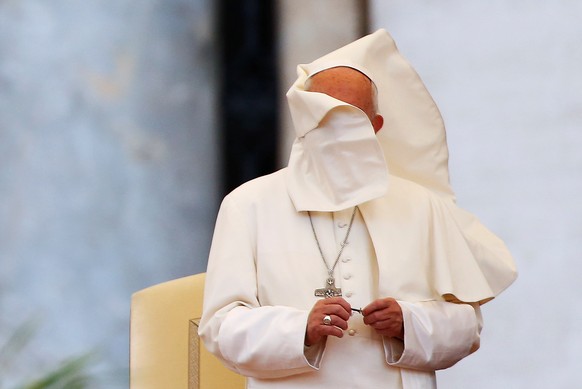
column 338, row 309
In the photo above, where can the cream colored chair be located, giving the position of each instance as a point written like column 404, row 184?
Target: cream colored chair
column 165, row 351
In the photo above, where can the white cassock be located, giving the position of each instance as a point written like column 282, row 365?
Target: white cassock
column 409, row 241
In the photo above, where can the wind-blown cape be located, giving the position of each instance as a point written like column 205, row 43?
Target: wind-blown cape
column 469, row 263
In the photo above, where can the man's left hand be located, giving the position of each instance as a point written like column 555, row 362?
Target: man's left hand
column 385, row 316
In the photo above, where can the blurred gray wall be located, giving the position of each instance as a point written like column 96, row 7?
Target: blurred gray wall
column 507, row 78
column 108, row 166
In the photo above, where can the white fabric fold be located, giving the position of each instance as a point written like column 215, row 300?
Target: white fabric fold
column 339, row 163
column 464, row 261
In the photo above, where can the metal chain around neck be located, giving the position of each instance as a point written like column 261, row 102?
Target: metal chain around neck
column 343, row 244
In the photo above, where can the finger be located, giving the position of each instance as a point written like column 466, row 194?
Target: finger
column 332, row 331
column 385, row 324
column 393, row 312
column 337, row 322
column 340, row 301
column 334, row 328
column 389, row 328
column 336, row 306
column 372, row 317
column 380, row 315
column 337, row 310
column 377, row 305
column 316, row 331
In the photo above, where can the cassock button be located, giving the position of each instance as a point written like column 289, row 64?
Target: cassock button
column 342, row 224
column 347, row 276
column 346, row 260
column 349, row 293
column 351, row 332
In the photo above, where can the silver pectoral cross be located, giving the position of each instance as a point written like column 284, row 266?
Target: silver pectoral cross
column 330, row 290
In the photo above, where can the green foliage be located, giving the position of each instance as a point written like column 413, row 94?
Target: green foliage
column 15, row 344
column 71, row 374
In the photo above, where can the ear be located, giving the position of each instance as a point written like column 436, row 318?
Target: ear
column 377, row 123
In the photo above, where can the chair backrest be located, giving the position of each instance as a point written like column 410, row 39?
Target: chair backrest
column 165, row 350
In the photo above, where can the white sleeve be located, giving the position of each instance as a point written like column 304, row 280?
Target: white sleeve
column 437, row 335
column 253, row 340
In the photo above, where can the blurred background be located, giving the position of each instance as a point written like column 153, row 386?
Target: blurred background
column 123, row 123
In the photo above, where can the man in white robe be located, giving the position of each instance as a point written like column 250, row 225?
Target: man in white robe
column 352, row 267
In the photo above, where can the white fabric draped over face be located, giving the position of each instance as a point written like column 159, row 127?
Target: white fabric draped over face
column 337, row 164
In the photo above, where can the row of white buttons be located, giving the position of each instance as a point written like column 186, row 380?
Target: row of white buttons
column 347, row 276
